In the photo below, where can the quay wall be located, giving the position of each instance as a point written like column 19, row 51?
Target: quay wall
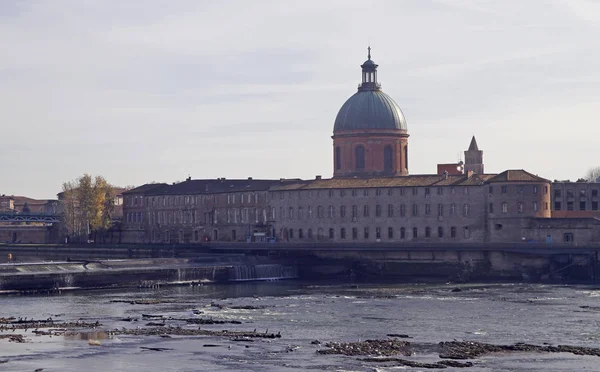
column 454, row 265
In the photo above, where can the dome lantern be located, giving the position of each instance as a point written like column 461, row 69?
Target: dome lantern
column 369, row 74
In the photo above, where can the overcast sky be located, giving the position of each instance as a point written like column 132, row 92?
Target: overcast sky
column 142, row 91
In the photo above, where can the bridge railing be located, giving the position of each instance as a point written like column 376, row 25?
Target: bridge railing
column 21, row 217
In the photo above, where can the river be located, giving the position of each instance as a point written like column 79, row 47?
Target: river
column 302, row 313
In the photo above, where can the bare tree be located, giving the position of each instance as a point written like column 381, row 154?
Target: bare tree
column 593, row 174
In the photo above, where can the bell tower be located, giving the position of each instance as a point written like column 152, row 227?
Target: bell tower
column 474, row 158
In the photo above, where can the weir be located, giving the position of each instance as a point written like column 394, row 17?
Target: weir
column 262, row 272
column 52, row 276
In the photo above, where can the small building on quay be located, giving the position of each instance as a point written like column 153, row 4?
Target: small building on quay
column 28, row 220
column 372, row 197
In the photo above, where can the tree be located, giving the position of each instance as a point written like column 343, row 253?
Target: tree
column 593, row 174
column 87, row 205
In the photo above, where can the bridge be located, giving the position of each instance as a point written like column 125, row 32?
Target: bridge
column 18, row 217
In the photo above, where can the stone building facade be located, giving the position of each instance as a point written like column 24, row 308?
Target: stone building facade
column 195, row 211
column 456, row 209
column 575, row 199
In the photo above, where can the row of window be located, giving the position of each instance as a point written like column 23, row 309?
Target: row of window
column 365, row 233
column 571, row 193
column 367, row 192
column 391, row 211
column 242, row 215
column 243, row 198
column 134, row 217
column 520, row 207
column 246, row 215
column 181, row 200
column 571, row 206
column 168, row 201
column 520, row 189
column 359, row 157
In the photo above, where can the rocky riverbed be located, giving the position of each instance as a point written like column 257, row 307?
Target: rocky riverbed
column 359, row 329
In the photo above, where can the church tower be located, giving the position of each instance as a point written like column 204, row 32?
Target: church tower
column 370, row 136
column 474, row 158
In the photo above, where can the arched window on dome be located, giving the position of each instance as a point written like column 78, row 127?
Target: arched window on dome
column 406, row 157
column 360, row 157
column 387, row 158
column 338, row 158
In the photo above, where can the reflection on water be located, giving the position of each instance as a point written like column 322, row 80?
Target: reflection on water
column 85, row 336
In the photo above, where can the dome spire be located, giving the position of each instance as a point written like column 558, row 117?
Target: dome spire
column 369, row 55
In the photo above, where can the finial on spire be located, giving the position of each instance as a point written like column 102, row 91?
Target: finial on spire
column 369, row 55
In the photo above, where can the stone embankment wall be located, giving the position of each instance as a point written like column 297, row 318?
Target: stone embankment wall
column 454, row 265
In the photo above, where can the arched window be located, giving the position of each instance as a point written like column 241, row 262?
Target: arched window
column 300, row 213
column 406, row 156
column 310, row 235
column 388, row 158
column 320, row 211
column 366, row 210
column 331, row 211
column 427, row 232
column 291, row 215
column 360, row 157
column 320, row 233
column 343, row 211
column 338, row 158
column 378, row 210
column 402, row 233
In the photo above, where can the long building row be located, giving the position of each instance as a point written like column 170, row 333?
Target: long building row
column 513, row 206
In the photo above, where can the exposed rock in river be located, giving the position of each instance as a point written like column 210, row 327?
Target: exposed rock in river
column 472, row 350
column 409, row 363
column 368, row 347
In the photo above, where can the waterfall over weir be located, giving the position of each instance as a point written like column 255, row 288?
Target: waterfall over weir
column 262, row 272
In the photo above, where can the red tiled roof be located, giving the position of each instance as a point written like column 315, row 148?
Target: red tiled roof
column 400, row 181
column 517, row 175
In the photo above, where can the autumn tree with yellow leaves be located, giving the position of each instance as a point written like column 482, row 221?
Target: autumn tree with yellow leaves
column 88, row 205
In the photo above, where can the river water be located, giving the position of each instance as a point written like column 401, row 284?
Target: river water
column 304, row 312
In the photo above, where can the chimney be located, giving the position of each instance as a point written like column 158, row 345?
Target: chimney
column 318, row 177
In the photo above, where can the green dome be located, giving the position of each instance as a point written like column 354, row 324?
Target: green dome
column 370, row 109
